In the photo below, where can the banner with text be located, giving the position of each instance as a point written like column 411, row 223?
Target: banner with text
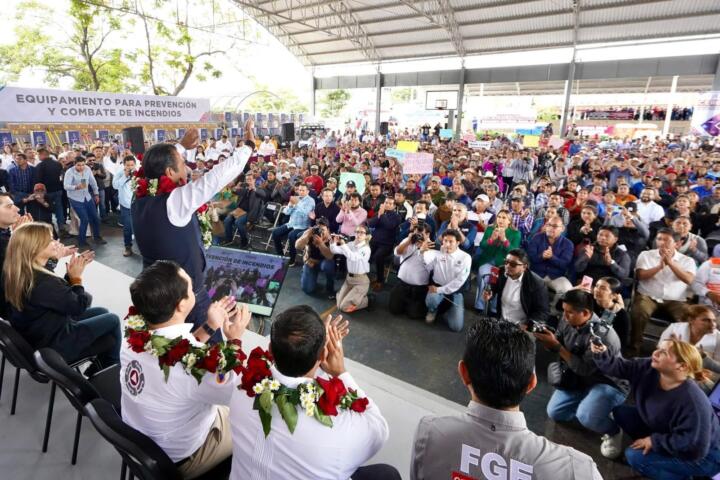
column 30, row 105
column 408, row 146
column 421, row 163
column 477, row 145
column 706, row 115
column 394, row 152
column 446, row 133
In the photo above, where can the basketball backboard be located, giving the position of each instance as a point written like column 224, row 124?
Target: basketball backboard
column 441, row 100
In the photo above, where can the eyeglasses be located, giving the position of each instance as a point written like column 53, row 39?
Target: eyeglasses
column 360, row 231
column 553, row 226
column 513, row 264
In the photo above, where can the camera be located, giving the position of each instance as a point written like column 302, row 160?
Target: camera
column 594, row 337
column 317, row 230
column 417, row 238
column 539, row 327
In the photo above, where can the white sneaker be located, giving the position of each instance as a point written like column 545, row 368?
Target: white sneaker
column 430, row 317
column 611, row 446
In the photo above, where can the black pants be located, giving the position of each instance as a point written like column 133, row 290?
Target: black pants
column 380, row 253
column 408, row 298
column 378, row 471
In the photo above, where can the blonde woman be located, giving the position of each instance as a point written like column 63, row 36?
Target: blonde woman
column 49, row 311
column 675, row 431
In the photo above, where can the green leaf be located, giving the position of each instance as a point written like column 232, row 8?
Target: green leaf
column 166, row 371
column 288, row 411
column 266, row 420
column 266, row 401
column 322, row 418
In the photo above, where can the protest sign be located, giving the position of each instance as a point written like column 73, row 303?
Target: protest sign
column 531, row 140
column 556, row 142
column 478, row 145
column 421, row 163
column 407, row 146
column 251, row 277
column 394, row 152
column 446, row 133
column 358, row 178
column 706, row 115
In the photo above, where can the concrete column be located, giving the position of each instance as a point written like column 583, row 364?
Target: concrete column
column 378, row 101
column 566, row 101
column 716, row 80
column 312, row 93
column 460, row 98
column 668, row 108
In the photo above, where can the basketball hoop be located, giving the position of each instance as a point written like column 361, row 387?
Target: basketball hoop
column 441, row 104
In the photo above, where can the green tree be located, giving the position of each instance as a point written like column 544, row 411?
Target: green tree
column 82, row 54
column 333, row 102
column 402, row 95
column 274, row 100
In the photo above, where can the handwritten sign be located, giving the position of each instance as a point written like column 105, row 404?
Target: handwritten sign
column 446, row 133
column 394, row 152
column 421, row 163
column 407, row 146
column 358, row 178
column 556, row 142
column 531, row 140
column 477, row 145
column 469, row 137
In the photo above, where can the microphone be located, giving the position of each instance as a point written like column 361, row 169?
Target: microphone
column 494, row 275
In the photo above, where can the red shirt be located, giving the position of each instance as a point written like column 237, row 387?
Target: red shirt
column 315, row 182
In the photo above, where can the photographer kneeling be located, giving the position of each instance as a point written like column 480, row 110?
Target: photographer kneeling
column 582, row 391
column 408, row 295
column 318, row 258
column 353, row 294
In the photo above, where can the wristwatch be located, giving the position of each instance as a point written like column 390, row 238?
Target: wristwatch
column 208, row 329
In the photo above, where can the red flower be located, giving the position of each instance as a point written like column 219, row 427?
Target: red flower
column 333, row 391
column 203, row 208
column 131, row 311
column 211, row 360
column 176, row 353
column 140, row 173
column 359, row 405
column 142, row 188
column 257, row 369
column 165, row 185
column 137, row 340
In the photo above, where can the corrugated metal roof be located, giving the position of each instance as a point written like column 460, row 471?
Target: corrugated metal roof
column 323, row 32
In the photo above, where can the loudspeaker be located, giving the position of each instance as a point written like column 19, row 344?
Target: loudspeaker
column 383, row 128
column 288, row 132
column 135, row 138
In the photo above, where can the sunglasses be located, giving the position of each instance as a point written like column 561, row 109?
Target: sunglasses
column 513, row 264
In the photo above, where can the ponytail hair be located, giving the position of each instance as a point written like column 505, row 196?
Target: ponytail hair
column 689, row 355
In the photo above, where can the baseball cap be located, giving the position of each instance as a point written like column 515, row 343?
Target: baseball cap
column 285, row 175
column 631, row 207
column 39, row 186
column 350, row 183
column 488, row 175
column 516, row 198
column 435, row 179
column 483, row 197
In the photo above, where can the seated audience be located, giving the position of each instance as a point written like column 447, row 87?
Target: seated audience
column 498, row 369
column 496, row 242
column 301, row 349
column 351, row 215
column 663, row 276
column 299, row 208
column 550, row 256
column 450, row 268
column 706, row 283
column 459, row 221
column 674, row 430
column 583, row 230
column 582, row 391
column 384, row 224
column 353, row 294
column 610, row 307
column 408, row 294
column 49, row 311
column 700, row 330
column 689, row 244
column 605, row 258
column 188, row 418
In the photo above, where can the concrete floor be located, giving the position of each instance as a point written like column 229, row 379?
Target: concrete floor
column 421, row 355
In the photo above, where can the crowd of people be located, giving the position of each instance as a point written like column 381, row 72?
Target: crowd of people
column 577, row 249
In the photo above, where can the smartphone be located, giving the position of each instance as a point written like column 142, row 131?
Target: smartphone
column 586, row 241
column 586, row 282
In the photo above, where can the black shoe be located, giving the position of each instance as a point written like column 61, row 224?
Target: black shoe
column 292, row 263
column 99, row 241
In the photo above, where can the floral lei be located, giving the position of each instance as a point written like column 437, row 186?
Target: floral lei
column 153, row 187
column 319, row 398
column 219, row 359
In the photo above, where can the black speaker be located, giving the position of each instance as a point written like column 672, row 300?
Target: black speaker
column 288, row 132
column 134, row 137
column 383, row 128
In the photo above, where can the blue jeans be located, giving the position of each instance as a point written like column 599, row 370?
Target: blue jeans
column 101, row 323
column 87, row 213
column 591, row 406
column 126, row 220
column 292, row 234
column 231, row 224
column 309, row 276
column 58, row 209
column 103, row 212
column 454, row 315
column 482, row 278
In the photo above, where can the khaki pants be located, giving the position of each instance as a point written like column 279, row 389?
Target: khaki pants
column 217, row 447
column 353, row 292
column 643, row 308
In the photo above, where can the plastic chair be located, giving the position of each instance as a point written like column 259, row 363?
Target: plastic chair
column 78, row 390
column 142, row 456
column 20, row 354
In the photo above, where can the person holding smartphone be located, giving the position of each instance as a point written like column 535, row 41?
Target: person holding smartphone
column 79, row 182
column 610, row 307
